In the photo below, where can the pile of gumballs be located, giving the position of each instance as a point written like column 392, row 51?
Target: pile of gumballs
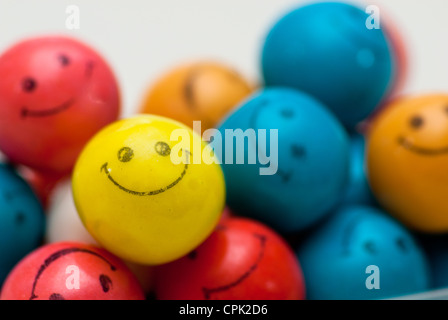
column 320, row 183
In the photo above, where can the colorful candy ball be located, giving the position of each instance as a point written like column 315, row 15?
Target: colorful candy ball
column 71, row 271
column 326, row 50
column 203, row 91
column 285, row 159
column 242, row 260
column 407, row 157
column 22, row 220
column 144, row 192
column 55, row 94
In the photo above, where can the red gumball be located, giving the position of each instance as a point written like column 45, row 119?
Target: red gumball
column 242, row 260
column 55, row 94
column 71, row 271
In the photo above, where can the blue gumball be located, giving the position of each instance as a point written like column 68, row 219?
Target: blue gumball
column 291, row 168
column 358, row 190
column 22, row 220
column 326, row 50
column 361, row 253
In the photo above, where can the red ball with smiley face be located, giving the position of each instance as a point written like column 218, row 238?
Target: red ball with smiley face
column 71, row 271
column 55, row 94
column 241, row 260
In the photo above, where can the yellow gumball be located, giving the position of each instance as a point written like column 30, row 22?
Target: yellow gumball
column 140, row 194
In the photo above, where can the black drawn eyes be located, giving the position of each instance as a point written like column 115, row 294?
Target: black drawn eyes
column 125, row 154
column 416, row 122
column 29, row 84
column 64, row 60
column 370, row 247
column 298, row 151
column 105, row 282
column 163, row 148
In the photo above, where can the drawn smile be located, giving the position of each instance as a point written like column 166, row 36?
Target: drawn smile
column 106, row 170
column 25, row 112
column 421, row 150
column 209, row 291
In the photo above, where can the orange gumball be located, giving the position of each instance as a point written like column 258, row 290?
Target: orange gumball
column 407, row 161
column 202, row 91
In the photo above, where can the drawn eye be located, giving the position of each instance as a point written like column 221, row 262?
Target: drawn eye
column 56, row 296
column 298, row 151
column 20, row 218
column 287, row 113
column 125, row 154
column 370, row 247
column 162, row 148
column 192, row 255
column 401, row 243
column 64, row 60
column 416, row 122
column 29, row 84
column 105, row 282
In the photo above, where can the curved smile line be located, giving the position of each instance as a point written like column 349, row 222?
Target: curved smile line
column 209, row 291
column 147, row 193
column 25, row 112
column 424, row 151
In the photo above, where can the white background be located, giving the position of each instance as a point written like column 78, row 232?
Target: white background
column 143, row 39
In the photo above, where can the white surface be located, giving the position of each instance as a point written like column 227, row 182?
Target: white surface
column 144, row 38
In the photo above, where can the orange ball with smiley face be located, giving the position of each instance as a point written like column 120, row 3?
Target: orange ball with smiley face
column 407, row 157
column 201, row 91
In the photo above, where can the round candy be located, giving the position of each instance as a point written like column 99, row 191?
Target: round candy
column 22, row 220
column 407, row 157
column 201, row 91
column 358, row 190
column 326, row 50
column 143, row 191
column 241, row 260
column 55, row 94
column 300, row 159
column 362, row 253
column 71, row 271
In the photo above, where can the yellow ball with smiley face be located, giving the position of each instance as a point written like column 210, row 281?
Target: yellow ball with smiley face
column 138, row 200
column 407, row 161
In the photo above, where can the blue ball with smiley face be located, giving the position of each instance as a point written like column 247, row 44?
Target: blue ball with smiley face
column 361, row 253
column 327, row 50
column 285, row 159
column 22, row 220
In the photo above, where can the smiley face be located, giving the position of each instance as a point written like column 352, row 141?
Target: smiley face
column 352, row 239
column 295, row 134
column 406, row 156
column 22, row 219
column 71, row 271
column 242, row 259
column 54, row 87
column 126, row 154
column 169, row 206
column 202, row 91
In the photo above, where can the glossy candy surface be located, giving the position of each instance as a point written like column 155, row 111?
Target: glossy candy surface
column 55, row 94
column 71, row 271
column 137, row 200
column 22, row 220
column 200, row 91
column 407, row 157
column 358, row 247
column 299, row 171
column 326, row 50
column 242, row 260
